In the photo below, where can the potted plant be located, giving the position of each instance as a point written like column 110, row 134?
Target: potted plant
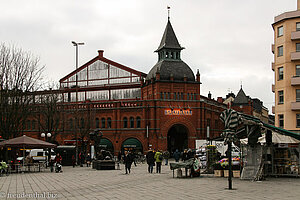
column 225, row 165
column 218, row 170
column 236, row 167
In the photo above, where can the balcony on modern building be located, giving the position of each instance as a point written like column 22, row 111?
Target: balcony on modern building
column 273, row 66
column 273, row 109
column 273, row 88
column 295, row 106
column 295, row 35
column 295, row 80
column 295, row 56
column 273, row 48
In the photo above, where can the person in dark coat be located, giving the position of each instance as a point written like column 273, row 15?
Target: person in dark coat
column 119, row 156
column 73, row 160
column 190, row 154
column 81, row 158
column 166, row 156
column 150, row 160
column 176, row 155
column 127, row 161
column 185, row 155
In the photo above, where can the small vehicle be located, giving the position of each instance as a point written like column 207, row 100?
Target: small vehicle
column 58, row 167
column 38, row 155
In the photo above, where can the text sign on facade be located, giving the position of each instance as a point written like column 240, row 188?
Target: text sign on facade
column 178, row 112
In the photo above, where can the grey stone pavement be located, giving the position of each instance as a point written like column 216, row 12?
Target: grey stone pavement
column 88, row 183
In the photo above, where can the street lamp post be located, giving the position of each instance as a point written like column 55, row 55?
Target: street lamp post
column 46, row 136
column 76, row 44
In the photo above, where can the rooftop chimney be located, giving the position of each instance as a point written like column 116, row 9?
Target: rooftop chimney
column 298, row 4
column 100, row 52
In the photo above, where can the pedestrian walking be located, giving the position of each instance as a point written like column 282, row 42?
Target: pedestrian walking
column 127, row 161
column 158, row 159
column 150, row 160
column 81, row 159
column 133, row 156
column 88, row 160
column 73, row 160
column 184, row 155
column 190, row 154
column 166, row 156
column 119, row 156
column 176, row 155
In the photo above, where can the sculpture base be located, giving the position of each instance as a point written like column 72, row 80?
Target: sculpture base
column 104, row 164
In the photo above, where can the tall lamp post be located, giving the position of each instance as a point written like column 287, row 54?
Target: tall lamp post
column 46, row 136
column 230, row 118
column 76, row 44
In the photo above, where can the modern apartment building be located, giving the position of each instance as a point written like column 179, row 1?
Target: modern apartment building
column 286, row 65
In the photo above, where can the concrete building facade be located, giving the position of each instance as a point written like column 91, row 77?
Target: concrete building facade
column 286, row 67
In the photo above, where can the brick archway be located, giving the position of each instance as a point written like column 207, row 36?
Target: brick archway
column 179, row 120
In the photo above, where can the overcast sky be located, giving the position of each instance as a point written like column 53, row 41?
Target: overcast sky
column 229, row 41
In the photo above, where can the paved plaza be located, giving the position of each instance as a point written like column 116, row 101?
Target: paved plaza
column 87, row 183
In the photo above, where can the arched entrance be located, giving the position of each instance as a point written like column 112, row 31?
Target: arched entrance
column 106, row 144
column 132, row 144
column 177, row 138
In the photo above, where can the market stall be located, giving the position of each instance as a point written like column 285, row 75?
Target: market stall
column 281, row 158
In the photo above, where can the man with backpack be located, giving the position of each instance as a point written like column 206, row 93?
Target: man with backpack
column 158, row 159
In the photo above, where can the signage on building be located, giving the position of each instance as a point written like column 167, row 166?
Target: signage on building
column 130, row 145
column 178, row 112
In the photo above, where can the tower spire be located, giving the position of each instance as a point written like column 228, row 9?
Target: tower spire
column 168, row 7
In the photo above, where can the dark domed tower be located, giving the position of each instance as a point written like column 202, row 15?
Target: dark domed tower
column 172, row 94
column 169, row 59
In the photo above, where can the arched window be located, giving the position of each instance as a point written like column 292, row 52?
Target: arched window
column 109, row 122
column 138, row 122
column 103, row 123
column 125, row 122
column 71, row 125
column 97, row 123
column 131, row 122
column 33, row 125
column 28, row 124
column 81, row 123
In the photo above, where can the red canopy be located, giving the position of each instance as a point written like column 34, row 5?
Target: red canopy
column 26, row 142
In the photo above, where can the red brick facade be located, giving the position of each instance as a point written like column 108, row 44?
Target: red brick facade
column 164, row 113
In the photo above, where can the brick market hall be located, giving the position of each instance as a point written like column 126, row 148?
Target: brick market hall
column 162, row 109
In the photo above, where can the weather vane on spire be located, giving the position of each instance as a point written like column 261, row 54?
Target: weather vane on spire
column 168, row 7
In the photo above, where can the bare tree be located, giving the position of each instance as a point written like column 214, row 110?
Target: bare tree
column 84, row 117
column 20, row 75
column 48, row 112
